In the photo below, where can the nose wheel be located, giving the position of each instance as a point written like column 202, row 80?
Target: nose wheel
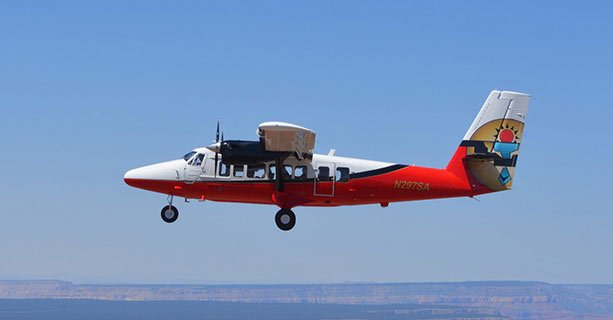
column 285, row 219
column 169, row 214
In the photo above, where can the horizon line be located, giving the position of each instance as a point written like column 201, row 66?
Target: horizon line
column 224, row 283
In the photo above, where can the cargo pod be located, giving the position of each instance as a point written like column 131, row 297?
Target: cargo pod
column 286, row 137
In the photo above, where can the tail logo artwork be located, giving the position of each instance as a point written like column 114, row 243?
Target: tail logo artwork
column 506, row 143
column 493, row 150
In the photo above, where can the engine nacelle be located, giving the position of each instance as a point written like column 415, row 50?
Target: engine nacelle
column 247, row 152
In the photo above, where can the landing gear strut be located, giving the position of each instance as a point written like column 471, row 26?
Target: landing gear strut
column 169, row 213
column 285, row 219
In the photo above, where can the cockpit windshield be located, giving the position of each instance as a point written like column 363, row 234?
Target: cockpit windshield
column 189, row 155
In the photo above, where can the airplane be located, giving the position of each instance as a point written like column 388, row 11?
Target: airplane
column 281, row 169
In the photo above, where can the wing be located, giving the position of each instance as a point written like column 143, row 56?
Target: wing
column 287, row 137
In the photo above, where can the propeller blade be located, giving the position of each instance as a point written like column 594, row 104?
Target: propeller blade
column 218, row 145
column 216, row 158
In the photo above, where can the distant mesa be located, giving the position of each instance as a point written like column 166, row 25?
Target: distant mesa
column 527, row 300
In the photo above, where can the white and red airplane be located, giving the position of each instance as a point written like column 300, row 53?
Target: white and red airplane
column 281, row 169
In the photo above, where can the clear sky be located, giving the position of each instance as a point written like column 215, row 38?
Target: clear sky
column 89, row 90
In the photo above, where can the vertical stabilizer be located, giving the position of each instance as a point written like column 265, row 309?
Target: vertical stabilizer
column 490, row 148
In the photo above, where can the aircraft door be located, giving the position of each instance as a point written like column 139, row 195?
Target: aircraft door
column 208, row 166
column 324, row 179
column 194, row 167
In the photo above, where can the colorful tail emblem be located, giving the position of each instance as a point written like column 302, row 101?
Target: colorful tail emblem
column 493, row 140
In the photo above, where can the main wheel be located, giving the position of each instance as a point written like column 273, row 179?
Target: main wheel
column 285, row 219
column 169, row 214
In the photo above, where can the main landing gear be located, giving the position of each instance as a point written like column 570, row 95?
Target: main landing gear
column 285, row 219
column 169, row 213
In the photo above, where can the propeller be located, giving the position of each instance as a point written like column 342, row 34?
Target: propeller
column 218, row 144
column 216, row 147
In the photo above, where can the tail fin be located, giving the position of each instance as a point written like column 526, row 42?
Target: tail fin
column 488, row 153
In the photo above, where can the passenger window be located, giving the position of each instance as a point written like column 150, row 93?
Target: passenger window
column 323, row 173
column 256, row 171
column 239, row 171
column 342, row 174
column 272, row 170
column 300, row 173
column 287, row 172
column 224, row 170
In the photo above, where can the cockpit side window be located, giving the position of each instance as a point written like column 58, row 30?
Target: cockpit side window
column 188, row 155
column 197, row 160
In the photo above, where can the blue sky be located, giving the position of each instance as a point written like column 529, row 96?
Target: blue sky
column 90, row 90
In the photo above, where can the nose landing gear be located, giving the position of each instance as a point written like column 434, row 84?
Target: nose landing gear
column 169, row 213
column 285, row 219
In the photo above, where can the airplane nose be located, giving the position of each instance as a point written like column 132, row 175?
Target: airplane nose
column 130, row 176
column 164, row 171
